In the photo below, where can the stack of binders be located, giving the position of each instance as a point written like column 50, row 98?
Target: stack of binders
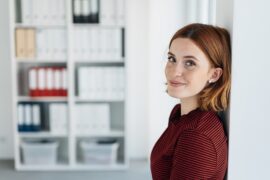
column 92, row 44
column 92, row 118
column 29, row 117
column 112, row 12
column 43, row 12
column 47, row 81
column 85, row 11
column 58, row 118
column 101, row 83
column 105, row 12
column 41, row 43
column 51, row 44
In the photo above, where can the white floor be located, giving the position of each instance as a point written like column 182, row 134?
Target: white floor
column 138, row 170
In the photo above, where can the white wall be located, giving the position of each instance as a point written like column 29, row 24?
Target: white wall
column 137, row 57
column 164, row 19
column 249, row 118
column 224, row 14
column 224, row 18
column 6, row 137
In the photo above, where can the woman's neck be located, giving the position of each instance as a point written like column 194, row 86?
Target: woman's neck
column 188, row 104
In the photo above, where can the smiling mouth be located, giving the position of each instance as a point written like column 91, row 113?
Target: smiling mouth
column 176, row 84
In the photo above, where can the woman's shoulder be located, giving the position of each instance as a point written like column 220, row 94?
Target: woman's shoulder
column 199, row 120
column 208, row 120
column 211, row 125
column 205, row 122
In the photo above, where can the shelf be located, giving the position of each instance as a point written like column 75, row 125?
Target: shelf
column 34, row 60
column 108, row 134
column 97, row 25
column 48, row 134
column 43, row 99
column 39, row 134
column 120, row 61
column 81, row 100
column 21, row 25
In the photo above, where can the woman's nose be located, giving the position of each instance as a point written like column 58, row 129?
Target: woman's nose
column 178, row 70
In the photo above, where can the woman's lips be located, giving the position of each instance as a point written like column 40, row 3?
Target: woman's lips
column 176, row 83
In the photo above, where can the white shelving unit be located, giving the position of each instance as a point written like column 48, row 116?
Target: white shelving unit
column 68, row 152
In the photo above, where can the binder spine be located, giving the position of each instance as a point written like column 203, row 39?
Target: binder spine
column 77, row 11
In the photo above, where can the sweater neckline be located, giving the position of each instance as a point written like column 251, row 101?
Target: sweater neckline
column 176, row 114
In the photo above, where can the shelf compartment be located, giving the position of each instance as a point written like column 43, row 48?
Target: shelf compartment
column 61, row 152
column 85, row 100
column 105, row 134
column 120, row 153
column 42, row 80
column 116, row 118
column 41, row 26
column 43, row 134
column 40, row 61
column 96, row 25
column 95, row 62
column 97, row 83
column 42, row 99
column 43, row 13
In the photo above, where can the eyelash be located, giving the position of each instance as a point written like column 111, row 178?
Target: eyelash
column 171, row 57
column 192, row 63
column 173, row 61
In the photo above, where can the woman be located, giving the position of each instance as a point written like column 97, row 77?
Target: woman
column 194, row 145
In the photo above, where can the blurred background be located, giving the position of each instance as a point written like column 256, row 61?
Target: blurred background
column 82, row 85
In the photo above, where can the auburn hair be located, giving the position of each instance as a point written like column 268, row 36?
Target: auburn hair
column 215, row 42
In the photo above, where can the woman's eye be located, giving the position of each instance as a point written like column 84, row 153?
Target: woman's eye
column 190, row 64
column 171, row 59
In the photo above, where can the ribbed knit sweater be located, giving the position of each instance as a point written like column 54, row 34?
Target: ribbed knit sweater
column 193, row 146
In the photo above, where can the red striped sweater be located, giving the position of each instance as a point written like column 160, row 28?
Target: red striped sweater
column 194, row 146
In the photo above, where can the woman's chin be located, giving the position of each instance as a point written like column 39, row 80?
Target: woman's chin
column 175, row 94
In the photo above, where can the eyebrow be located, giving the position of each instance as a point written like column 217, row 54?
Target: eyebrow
column 188, row 56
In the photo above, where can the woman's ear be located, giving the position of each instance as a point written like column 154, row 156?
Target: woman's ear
column 215, row 74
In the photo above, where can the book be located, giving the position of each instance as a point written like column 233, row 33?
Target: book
column 30, row 43
column 20, row 43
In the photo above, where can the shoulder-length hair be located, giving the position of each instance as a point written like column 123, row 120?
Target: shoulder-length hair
column 215, row 43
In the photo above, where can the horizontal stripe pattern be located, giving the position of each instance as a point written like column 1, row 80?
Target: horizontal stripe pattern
column 194, row 146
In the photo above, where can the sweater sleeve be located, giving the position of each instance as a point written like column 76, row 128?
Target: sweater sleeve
column 195, row 157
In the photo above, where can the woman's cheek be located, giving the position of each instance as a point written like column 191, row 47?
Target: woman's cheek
column 166, row 71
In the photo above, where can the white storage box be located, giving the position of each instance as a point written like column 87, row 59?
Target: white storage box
column 39, row 152
column 99, row 153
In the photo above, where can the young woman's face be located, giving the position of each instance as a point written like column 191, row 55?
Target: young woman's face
column 187, row 70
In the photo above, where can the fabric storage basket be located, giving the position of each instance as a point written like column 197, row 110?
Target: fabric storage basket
column 99, row 152
column 39, row 152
